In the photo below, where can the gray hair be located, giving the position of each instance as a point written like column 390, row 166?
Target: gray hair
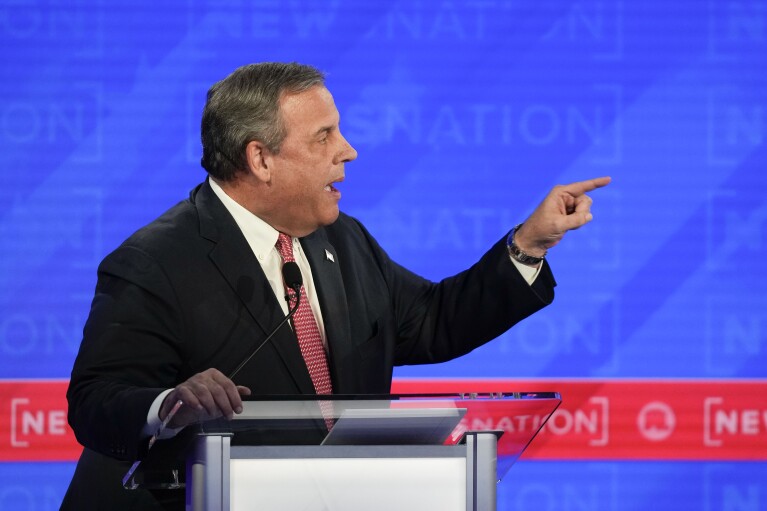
column 244, row 107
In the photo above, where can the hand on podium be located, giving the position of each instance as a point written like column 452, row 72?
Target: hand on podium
column 206, row 395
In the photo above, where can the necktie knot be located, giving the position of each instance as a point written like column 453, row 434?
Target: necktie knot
column 285, row 247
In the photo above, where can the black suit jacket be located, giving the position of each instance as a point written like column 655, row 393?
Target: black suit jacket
column 186, row 293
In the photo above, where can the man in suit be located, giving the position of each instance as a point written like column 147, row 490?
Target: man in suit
column 185, row 299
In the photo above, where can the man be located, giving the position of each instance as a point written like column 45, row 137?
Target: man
column 187, row 298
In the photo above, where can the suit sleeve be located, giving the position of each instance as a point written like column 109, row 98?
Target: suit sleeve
column 436, row 322
column 129, row 354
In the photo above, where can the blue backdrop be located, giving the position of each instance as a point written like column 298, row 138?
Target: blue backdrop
column 464, row 113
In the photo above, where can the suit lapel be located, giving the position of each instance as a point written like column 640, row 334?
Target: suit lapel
column 328, row 281
column 234, row 258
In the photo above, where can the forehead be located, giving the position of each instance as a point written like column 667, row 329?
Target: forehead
column 309, row 110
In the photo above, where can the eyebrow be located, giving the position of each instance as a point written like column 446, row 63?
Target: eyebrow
column 324, row 129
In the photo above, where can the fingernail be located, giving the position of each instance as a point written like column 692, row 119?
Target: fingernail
column 238, row 409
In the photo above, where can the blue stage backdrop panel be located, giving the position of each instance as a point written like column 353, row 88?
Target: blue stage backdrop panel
column 464, row 114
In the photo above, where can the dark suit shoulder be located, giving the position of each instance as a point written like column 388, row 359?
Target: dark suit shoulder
column 177, row 226
column 173, row 238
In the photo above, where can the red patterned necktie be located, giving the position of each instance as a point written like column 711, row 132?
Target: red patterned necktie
column 309, row 340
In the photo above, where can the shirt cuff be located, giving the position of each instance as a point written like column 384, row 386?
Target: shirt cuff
column 153, row 421
column 528, row 273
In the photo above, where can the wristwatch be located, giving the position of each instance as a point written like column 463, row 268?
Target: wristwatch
column 517, row 253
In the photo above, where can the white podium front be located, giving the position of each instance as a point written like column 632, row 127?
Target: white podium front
column 340, row 478
column 406, row 453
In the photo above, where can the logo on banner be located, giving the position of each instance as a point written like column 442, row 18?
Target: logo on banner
column 656, row 421
column 29, row 423
column 590, row 422
column 722, row 421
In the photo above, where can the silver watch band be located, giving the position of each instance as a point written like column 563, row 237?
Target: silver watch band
column 517, row 253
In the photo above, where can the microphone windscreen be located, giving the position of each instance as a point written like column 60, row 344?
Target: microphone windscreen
column 292, row 275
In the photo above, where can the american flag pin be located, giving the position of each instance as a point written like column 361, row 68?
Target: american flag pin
column 329, row 256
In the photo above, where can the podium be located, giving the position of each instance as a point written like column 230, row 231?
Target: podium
column 404, row 452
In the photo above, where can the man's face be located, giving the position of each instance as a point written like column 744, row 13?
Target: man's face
column 310, row 162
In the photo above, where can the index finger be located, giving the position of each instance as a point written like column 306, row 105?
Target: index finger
column 581, row 187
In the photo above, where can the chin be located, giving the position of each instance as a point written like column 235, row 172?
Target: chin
column 319, row 221
column 331, row 217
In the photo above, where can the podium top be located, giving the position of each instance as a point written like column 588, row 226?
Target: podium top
column 390, row 419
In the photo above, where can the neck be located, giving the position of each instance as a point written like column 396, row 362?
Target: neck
column 254, row 197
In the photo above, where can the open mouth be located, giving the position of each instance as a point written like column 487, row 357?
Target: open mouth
column 331, row 188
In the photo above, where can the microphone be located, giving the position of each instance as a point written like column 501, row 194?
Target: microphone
column 291, row 274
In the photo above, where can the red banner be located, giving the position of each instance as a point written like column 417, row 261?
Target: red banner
column 33, row 423
column 598, row 419
column 638, row 419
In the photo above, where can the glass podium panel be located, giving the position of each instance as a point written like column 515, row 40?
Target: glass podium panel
column 358, row 420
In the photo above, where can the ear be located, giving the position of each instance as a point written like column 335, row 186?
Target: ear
column 259, row 161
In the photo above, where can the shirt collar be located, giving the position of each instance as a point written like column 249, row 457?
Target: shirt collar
column 261, row 236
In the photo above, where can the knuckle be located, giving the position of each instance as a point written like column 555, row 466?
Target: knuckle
column 217, row 392
column 185, row 391
column 195, row 386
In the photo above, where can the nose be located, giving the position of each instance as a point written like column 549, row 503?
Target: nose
column 347, row 152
